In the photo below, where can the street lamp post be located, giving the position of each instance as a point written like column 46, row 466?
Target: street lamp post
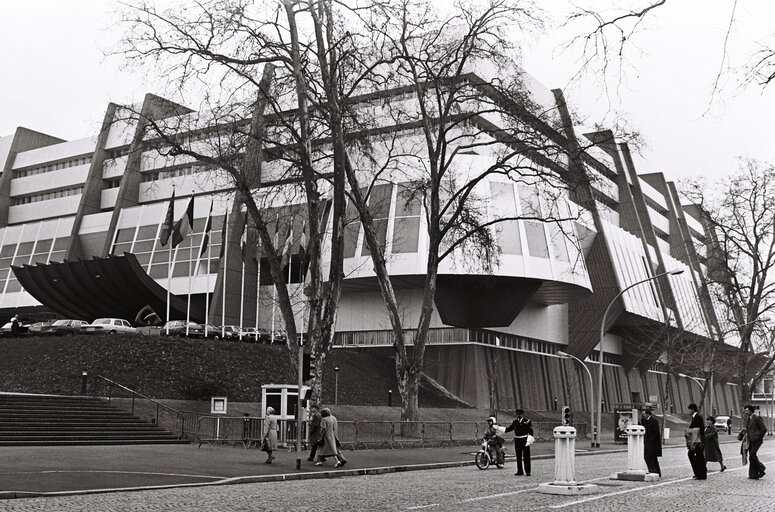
column 591, row 396
column 600, row 346
column 336, row 385
column 702, row 388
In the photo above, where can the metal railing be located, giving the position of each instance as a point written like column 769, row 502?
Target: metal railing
column 141, row 406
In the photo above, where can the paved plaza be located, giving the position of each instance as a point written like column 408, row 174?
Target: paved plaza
column 191, row 479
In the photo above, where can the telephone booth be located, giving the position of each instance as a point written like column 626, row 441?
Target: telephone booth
column 284, row 399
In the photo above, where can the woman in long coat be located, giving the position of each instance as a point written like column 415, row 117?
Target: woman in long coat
column 712, row 449
column 269, row 438
column 328, row 430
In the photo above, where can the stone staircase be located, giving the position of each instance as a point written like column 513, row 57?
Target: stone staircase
column 52, row 420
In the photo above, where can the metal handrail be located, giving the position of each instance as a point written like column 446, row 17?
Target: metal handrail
column 159, row 406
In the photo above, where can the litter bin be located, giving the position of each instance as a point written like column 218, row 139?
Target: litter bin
column 666, row 434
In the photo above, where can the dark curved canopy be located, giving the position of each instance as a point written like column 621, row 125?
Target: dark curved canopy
column 116, row 286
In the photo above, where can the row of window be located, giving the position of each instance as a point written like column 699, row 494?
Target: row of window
column 174, row 172
column 45, row 196
column 83, row 160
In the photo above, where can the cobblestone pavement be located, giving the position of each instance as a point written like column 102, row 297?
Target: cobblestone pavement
column 460, row 488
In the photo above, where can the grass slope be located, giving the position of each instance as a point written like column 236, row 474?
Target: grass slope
column 177, row 368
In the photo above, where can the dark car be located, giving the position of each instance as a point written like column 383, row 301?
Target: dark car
column 213, row 332
column 183, row 328
column 230, row 332
column 68, row 326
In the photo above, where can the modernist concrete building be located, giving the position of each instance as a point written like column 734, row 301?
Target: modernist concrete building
column 70, row 210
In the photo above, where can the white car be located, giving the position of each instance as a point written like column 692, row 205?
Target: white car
column 109, row 326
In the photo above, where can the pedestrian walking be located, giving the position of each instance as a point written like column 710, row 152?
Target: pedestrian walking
column 314, row 431
column 15, row 326
column 652, row 442
column 328, row 433
column 269, row 438
column 695, row 442
column 752, row 436
column 522, row 428
column 712, row 449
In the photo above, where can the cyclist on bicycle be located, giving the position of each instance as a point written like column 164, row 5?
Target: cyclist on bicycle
column 494, row 437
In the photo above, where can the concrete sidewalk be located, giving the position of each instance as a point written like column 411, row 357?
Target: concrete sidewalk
column 39, row 471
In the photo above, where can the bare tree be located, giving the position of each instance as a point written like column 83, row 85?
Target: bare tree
column 461, row 92
column 739, row 216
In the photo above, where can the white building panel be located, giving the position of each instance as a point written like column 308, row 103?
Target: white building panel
column 659, row 221
column 108, row 198
column 653, row 194
column 55, row 152
column 114, row 167
column 122, row 130
column 63, row 178
column 59, row 207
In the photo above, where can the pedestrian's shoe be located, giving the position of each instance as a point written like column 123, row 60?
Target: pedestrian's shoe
column 723, row 467
column 269, row 460
column 340, row 464
column 311, row 460
column 527, row 474
column 761, row 474
column 519, row 473
column 318, row 463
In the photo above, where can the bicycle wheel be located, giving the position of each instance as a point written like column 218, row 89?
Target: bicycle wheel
column 482, row 460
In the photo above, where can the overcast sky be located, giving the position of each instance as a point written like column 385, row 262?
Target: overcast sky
column 55, row 79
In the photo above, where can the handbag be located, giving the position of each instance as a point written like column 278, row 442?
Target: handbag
column 530, row 440
column 264, row 445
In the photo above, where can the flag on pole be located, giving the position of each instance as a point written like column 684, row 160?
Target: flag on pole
column 223, row 234
column 303, row 261
column 184, row 225
column 286, row 252
column 166, row 229
column 208, row 227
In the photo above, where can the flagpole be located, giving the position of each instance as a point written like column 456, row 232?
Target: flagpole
column 205, row 237
column 258, row 282
column 225, row 261
column 242, row 300
column 207, row 290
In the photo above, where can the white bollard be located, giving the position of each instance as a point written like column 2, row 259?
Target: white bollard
column 636, row 464
column 565, row 466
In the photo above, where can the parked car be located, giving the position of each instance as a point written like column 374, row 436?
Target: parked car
column 723, row 424
column 68, row 326
column 213, row 332
column 280, row 336
column 41, row 329
column 230, row 332
column 183, row 328
column 253, row 335
column 109, row 326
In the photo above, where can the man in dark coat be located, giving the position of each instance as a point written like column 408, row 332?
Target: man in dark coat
column 314, row 431
column 696, row 444
column 755, row 430
column 521, row 428
column 652, row 442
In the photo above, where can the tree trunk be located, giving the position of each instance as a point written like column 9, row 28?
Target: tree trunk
column 408, row 388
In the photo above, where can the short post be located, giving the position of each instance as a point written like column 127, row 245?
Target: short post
column 565, row 466
column 636, row 464
column 390, row 398
column 84, row 379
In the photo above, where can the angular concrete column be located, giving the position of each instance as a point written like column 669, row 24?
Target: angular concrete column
column 565, row 466
column 636, row 464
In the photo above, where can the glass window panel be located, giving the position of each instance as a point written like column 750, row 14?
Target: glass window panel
column 120, row 249
column 161, row 256
column 5, row 262
column 13, row 286
column 218, row 223
column 380, row 228
column 61, row 244
column 146, row 232
column 25, row 248
column 7, row 250
column 536, row 239
column 183, row 254
column 528, row 201
column 39, row 258
column 379, row 201
column 21, row 259
column 406, row 234
column 559, row 242
column 181, row 269
column 214, row 265
column 509, row 239
column 143, row 259
column 57, row 256
column 158, row 271
column 125, row 235
column 43, row 246
column 146, row 246
column 3, row 276
column 406, row 204
column 351, row 239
